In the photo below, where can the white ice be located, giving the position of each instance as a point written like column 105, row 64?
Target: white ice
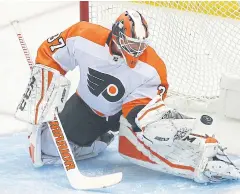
column 17, row 175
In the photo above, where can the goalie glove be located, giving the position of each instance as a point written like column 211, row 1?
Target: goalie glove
column 46, row 91
column 161, row 124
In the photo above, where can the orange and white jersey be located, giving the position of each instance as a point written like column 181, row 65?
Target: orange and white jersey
column 106, row 83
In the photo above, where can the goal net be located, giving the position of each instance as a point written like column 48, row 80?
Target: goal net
column 197, row 40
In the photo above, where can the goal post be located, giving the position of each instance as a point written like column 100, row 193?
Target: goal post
column 197, row 40
column 84, row 10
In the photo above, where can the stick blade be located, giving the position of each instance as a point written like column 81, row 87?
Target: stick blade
column 85, row 183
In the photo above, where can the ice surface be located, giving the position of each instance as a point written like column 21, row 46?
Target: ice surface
column 18, row 176
column 38, row 21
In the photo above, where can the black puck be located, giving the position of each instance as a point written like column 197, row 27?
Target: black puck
column 207, row 120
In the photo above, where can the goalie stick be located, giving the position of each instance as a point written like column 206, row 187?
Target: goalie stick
column 76, row 179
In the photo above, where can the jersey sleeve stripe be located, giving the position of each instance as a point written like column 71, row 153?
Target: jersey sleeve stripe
column 127, row 107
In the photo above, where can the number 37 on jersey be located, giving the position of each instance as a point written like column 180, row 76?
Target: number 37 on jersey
column 56, row 42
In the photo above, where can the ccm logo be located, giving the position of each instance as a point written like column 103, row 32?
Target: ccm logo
column 62, row 145
column 190, row 139
column 27, row 94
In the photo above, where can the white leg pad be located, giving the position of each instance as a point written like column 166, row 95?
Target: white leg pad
column 35, row 144
column 195, row 157
column 51, row 156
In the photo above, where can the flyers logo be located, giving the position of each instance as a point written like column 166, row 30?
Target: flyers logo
column 108, row 86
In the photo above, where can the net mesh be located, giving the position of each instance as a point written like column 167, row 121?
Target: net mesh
column 198, row 41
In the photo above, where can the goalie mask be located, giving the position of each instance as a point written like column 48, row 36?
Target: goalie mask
column 130, row 34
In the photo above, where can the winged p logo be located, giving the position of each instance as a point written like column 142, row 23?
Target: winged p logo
column 108, row 86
